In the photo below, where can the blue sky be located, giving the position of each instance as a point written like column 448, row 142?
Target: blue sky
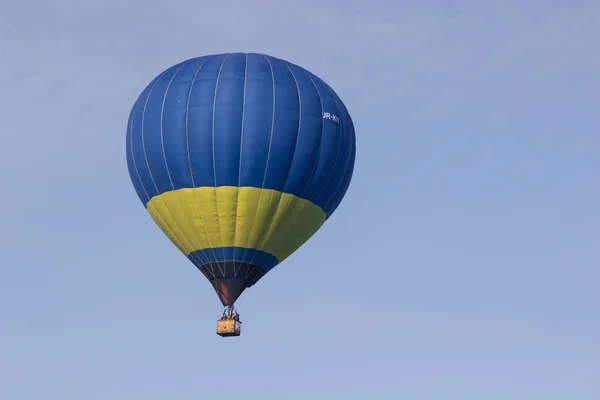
column 462, row 264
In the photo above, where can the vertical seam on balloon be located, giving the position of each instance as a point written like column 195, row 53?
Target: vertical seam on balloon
column 242, row 130
column 272, row 125
column 289, row 198
column 187, row 144
column 192, row 254
column 337, row 157
column 268, row 157
column 340, row 188
column 137, row 173
column 289, row 223
column 213, row 160
column 350, row 136
column 298, row 129
column 237, row 203
column 166, row 227
column 152, row 177
column 131, row 140
column 314, row 167
column 347, row 179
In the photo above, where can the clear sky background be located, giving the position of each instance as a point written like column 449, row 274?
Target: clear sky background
column 463, row 263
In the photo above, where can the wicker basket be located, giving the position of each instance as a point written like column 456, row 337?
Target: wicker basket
column 228, row 327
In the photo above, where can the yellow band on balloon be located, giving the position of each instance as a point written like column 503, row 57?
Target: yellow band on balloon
column 262, row 219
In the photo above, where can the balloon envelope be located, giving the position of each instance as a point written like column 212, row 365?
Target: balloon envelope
column 239, row 159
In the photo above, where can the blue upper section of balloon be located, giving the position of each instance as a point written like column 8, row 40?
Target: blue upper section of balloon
column 241, row 120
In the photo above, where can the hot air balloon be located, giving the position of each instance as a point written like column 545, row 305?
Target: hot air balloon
column 239, row 159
